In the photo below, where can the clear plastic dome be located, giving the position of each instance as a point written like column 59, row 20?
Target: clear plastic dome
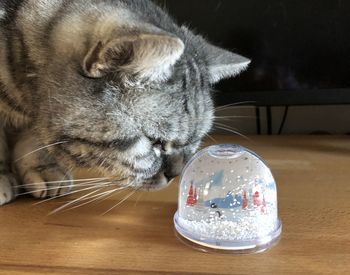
column 228, row 201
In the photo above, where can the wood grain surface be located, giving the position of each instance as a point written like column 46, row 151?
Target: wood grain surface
column 312, row 174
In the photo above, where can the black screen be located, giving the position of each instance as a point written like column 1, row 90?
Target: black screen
column 294, row 45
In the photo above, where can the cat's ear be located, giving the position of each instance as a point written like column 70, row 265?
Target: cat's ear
column 224, row 64
column 144, row 55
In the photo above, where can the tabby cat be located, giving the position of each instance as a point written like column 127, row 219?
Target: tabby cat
column 115, row 85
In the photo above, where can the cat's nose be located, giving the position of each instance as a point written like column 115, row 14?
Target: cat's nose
column 169, row 177
column 156, row 183
column 171, row 173
column 173, row 166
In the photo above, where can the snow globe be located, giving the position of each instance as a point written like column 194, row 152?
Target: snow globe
column 228, row 202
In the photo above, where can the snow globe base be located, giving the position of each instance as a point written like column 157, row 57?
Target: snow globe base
column 228, row 202
column 227, row 247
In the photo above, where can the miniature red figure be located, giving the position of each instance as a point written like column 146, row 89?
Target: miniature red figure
column 256, row 198
column 191, row 200
column 263, row 206
column 245, row 202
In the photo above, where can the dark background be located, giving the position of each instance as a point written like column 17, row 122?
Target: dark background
column 301, row 48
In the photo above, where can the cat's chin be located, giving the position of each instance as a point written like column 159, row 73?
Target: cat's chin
column 158, row 182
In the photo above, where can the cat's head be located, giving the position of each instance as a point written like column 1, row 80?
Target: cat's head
column 136, row 105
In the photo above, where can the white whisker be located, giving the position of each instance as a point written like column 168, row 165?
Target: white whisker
column 41, row 148
column 138, row 199
column 113, row 190
column 220, row 108
column 72, row 202
column 231, row 130
column 120, row 202
column 92, row 183
column 231, row 117
column 213, row 139
column 98, row 197
column 129, row 184
column 63, row 181
column 74, row 192
column 107, row 196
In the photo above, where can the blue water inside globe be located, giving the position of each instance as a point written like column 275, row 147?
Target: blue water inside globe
column 228, row 201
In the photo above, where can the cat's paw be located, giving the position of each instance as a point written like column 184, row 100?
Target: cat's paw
column 49, row 181
column 8, row 188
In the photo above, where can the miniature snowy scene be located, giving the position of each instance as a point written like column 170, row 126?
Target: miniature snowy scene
column 227, row 196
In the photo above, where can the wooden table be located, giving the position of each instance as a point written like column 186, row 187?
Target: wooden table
column 138, row 237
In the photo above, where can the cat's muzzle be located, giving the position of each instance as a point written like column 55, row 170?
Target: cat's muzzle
column 158, row 182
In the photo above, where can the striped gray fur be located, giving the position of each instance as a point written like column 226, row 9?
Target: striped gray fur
column 112, row 85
